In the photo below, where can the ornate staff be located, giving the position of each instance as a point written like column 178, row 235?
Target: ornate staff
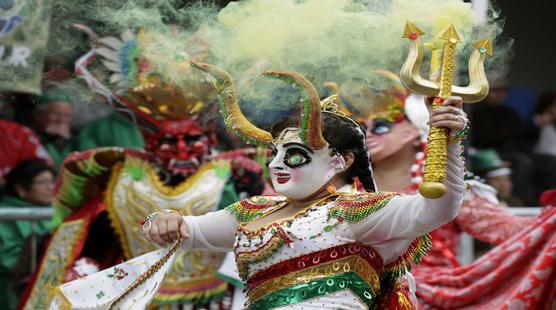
column 435, row 165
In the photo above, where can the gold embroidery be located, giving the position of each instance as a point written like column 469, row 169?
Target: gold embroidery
column 244, row 259
column 57, row 259
column 109, row 200
column 347, row 264
column 129, row 201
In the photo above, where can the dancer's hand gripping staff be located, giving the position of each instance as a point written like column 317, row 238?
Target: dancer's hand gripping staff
column 441, row 89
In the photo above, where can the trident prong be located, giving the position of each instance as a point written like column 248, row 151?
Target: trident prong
column 435, row 166
column 411, row 69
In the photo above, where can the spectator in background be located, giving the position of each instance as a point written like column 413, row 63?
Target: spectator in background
column 488, row 165
column 18, row 144
column 497, row 126
column 52, row 120
column 29, row 184
column 544, row 117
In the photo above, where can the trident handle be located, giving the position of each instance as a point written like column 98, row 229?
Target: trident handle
column 435, row 162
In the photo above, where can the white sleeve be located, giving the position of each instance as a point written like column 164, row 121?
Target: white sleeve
column 214, row 231
column 391, row 230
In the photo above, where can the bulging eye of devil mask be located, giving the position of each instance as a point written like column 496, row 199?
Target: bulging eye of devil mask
column 180, row 146
column 297, row 172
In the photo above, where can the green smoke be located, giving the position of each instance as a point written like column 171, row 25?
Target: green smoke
column 338, row 40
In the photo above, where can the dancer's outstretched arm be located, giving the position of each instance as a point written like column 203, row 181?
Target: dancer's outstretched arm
column 213, row 231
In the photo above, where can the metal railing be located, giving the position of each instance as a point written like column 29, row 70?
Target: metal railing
column 32, row 214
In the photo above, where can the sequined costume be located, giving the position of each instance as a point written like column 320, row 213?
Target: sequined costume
column 342, row 252
column 347, row 248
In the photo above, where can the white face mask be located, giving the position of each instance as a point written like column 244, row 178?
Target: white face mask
column 297, row 172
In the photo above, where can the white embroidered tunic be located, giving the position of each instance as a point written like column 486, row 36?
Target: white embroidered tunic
column 334, row 254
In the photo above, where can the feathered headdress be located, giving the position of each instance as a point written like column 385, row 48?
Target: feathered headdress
column 130, row 81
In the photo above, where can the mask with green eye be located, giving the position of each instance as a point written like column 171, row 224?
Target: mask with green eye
column 296, row 157
column 298, row 171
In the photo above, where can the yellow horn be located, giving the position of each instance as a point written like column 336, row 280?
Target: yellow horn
column 229, row 107
column 310, row 128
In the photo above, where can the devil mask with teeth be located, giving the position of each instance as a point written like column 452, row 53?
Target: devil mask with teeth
column 307, row 150
column 174, row 122
column 171, row 111
column 179, row 146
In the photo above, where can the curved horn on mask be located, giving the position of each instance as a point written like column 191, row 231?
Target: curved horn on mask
column 229, row 107
column 310, row 111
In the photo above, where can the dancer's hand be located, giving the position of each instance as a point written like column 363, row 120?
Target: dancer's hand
column 165, row 227
column 450, row 115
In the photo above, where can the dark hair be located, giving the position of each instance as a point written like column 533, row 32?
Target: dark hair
column 24, row 173
column 343, row 136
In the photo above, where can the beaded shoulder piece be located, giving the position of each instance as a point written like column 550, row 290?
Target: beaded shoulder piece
column 354, row 207
column 249, row 209
column 413, row 255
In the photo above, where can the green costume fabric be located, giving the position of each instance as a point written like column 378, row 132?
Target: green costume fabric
column 13, row 235
column 229, row 195
column 112, row 130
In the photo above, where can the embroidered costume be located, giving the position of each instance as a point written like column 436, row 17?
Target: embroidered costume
column 344, row 251
column 347, row 248
column 102, row 194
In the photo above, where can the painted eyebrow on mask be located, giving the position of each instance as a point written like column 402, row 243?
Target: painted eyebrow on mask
column 301, row 146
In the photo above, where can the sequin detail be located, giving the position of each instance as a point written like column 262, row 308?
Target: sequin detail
column 247, row 210
column 344, row 265
column 356, row 207
column 418, row 248
column 244, row 259
column 320, row 287
column 316, row 258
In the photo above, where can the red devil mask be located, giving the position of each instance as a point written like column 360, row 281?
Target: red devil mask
column 180, row 146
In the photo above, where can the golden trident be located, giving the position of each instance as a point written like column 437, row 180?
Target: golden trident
column 441, row 87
